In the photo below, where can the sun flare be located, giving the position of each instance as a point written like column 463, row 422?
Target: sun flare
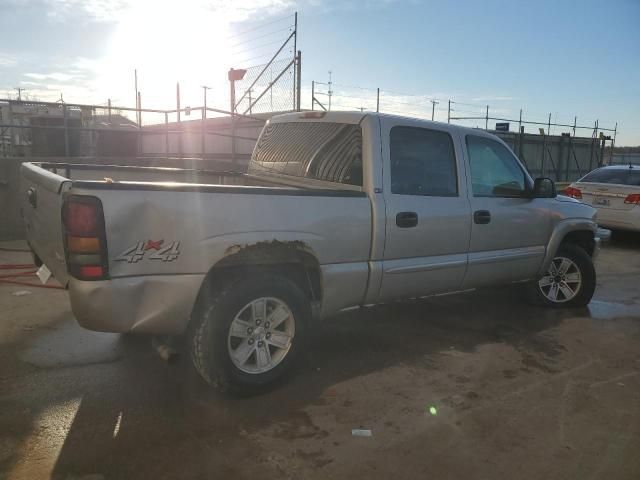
column 167, row 42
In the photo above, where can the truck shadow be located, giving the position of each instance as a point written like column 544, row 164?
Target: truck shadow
column 625, row 239
column 142, row 419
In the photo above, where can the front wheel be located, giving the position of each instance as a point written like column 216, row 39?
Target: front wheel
column 569, row 282
column 250, row 334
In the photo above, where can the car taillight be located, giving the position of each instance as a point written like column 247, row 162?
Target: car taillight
column 633, row 199
column 573, row 192
column 84, row 238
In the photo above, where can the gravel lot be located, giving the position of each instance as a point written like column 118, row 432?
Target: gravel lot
column 477, row 385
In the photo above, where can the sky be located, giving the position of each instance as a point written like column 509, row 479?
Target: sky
column 564, row 58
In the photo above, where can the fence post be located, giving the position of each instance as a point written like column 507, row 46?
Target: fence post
column 12, row 131
column 486, row 119
column 202, row 137
column 613, row 143
column 378, row 100
column 166, row 134
column 299, row 78
column 232, row 96
column 139, row 124
column 449, row 112
column 313, row 94
column 544, row 148
column 296, row 66
column 593, row 139
column 66, row 130
column 178, row 120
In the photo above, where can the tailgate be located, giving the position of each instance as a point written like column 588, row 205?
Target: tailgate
column 41, row 192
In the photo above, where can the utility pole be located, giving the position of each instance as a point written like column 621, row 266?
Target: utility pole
column 204, row 117
column 330, row 91
column 19, row 93
column 433, row 109
column 449, row 113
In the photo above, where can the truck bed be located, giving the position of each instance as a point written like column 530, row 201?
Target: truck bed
column 130, row 173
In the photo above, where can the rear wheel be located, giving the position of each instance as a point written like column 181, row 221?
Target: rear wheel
column 250, row 334
column 569, row 282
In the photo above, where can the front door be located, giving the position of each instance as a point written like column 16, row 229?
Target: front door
column 509, row 229
column 427, row 215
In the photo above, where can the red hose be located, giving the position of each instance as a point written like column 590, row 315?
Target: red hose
column 16, row 266
column 9, row 277
column 17, row 282
column 21, row 274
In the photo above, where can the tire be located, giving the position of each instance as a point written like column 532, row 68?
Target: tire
column 215, row 348
column 578, row 276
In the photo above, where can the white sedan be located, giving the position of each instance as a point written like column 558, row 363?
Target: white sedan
column 615, row 192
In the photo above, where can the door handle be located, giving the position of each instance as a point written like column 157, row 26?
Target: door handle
column 481, row 217
column 407, row 219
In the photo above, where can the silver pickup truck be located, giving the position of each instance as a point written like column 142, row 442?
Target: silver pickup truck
column 337, row 210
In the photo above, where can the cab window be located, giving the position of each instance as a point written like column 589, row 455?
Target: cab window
column 495, row 172
column 422, row 162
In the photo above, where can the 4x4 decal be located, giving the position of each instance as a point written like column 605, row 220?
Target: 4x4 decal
column 156, row 251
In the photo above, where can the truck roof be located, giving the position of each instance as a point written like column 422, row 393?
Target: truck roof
column 356, row 117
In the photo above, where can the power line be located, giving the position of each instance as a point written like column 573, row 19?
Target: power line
column 258, row 27
column 262, row 36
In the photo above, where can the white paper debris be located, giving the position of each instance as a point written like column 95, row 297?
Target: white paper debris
column 43, row 273
column 360, row 432
column 21, row 293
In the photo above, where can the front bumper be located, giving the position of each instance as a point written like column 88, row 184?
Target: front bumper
column 156, row 304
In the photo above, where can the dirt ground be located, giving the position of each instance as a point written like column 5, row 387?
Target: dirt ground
column 476, row 385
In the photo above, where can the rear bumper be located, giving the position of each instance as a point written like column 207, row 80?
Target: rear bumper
column 156, row 304
column 620, row 219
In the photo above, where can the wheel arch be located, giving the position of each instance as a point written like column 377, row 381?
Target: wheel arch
column 579, row 232
column 293, row 260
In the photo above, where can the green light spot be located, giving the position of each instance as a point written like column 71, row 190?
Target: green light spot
column 433, row 411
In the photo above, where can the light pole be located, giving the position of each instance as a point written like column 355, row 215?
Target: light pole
column 205, row 88
column 234, row 75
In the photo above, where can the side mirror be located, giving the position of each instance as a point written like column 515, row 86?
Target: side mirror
column 544, row 188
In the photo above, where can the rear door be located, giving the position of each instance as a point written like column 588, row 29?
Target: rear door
column 427, row 210
column 41, row 206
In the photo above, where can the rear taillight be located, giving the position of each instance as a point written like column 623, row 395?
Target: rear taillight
column 84, row 238
column 573, row 192
column 633, row 199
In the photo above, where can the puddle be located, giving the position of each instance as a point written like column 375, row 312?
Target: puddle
column 611, row 310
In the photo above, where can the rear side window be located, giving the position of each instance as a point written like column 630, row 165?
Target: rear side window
column 323, row 151
column 422, row 162
column 617, row 176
